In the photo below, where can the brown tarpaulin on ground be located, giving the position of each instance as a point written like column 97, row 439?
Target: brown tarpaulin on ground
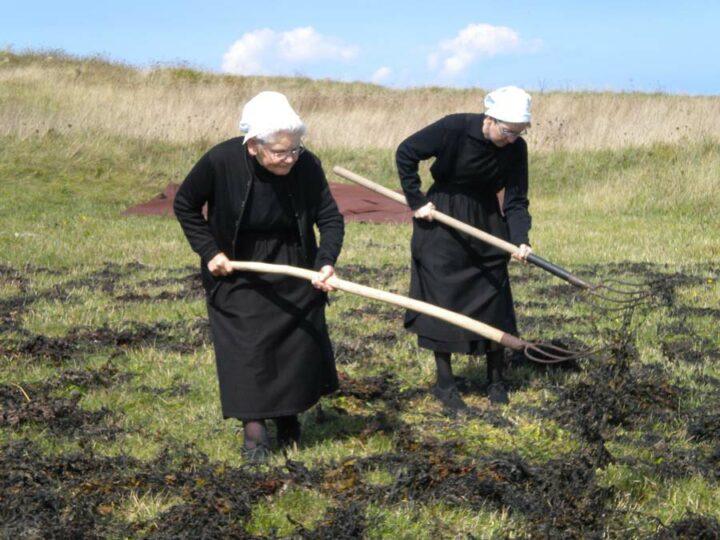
column 356, row 204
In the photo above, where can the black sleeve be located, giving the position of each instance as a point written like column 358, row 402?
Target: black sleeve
column 330, row 223
column 516, row 201
column 195, row 191
column 419, row 146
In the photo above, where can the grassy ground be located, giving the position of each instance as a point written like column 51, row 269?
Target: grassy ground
column 110, row 417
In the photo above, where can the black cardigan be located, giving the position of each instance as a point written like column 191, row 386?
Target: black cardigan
column 445, row 140
column 223, row 178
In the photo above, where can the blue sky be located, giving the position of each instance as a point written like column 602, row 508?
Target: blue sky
column 647, row 46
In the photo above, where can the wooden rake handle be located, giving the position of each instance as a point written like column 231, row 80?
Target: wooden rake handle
column 457, row 319
column 467, row 229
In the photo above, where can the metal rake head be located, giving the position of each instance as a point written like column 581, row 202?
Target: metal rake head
column 614, row 294
column 550, row 353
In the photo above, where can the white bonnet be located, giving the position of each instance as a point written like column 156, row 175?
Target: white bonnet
column 509, row 104
column 267, row 113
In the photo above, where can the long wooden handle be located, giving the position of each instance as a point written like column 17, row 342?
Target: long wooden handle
column 482, row 329
column 436, row 214
column 467, row 229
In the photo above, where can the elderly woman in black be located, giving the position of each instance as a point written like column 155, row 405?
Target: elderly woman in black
column 480, row 177
column 264, row 195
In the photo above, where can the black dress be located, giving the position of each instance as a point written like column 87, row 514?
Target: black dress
column 451, row 269
column 274, row 356
column 272, row 348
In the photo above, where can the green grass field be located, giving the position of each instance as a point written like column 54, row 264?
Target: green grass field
column 110, row 422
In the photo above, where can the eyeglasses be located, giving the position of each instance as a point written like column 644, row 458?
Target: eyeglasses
column 505, row 132
column 282, row 155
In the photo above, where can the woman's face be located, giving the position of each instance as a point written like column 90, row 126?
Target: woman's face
column 503, row 133
column 278, row 154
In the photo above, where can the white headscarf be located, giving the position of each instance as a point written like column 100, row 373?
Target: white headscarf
column 509, row 104
column 269, row 113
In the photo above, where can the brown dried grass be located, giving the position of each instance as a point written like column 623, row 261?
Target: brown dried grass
column 179, row 105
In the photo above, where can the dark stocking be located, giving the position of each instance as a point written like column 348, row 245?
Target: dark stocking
column 255, row 433
column 497, row 392
column 288, row 430
column 443, row 366
column 495, row 365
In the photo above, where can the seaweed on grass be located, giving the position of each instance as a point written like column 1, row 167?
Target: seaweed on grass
column 690, row 527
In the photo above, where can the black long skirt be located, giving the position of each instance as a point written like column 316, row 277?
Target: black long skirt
column 460, row 273
column 272, row 348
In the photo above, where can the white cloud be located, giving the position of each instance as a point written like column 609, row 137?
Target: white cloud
column 474, row 42
column 306, row 45
column 381, row 74
column 247, row 55
column 266, row 52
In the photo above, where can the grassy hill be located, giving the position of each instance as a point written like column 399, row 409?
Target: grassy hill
column 109, row 415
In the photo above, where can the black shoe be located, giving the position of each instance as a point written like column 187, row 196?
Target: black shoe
column 257, row 455
column 450, row 398
column 462, row 383
column 497, row 393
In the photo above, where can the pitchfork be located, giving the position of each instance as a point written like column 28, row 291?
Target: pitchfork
column 622, row 294
column 537, row 352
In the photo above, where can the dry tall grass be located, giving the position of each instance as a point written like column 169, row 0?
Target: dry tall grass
column 39, row 93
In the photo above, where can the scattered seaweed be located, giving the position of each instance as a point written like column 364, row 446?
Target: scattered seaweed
column 617, row 398
column 181, row 336
column 690, row 527
column 383, row 387
column 35, row 405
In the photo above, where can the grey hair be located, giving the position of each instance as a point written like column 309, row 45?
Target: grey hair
column 270, row 137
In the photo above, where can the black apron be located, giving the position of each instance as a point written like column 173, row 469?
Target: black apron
column 463, row 274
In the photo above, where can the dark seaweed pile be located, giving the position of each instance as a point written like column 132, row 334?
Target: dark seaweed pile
column 613, row 399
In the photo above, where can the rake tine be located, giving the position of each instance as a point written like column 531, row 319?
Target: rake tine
column 631, row 285
column 622, row 298
column 629, row 289
column 632, row 290
column 545, row 353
